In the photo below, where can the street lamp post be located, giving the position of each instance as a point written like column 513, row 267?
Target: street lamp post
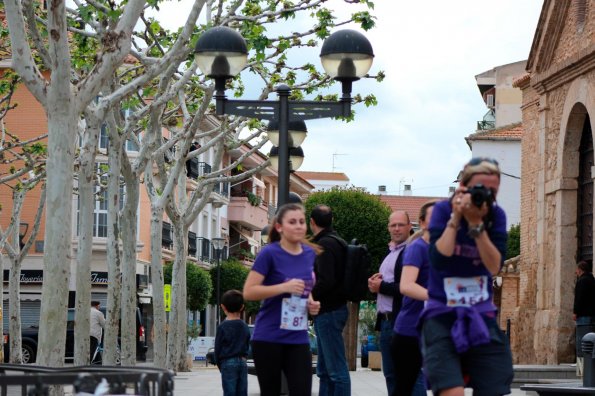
column 218, row 244
column 346, row 55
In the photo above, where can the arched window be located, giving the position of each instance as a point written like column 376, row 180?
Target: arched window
column 585, row 195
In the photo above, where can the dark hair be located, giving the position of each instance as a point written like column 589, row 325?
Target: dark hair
column 585, row 266
column 322, row 216
column 274, row 235
column 423, row 211
column 233, row 301
column 95, row 303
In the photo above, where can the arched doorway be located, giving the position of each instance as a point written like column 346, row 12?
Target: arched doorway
column 585, row 194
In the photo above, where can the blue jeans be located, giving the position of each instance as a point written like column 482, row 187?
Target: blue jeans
column 332, row 365
column 234, row 377
column 388, row 369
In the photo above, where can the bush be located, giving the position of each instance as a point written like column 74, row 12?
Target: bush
column 357, row 214
column 198, row 285
column 513, row 247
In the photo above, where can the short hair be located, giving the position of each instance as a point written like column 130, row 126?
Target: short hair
column 233, row 301
column 585, row 265
column 95, row 303
column 479, row 166
column 322, row 216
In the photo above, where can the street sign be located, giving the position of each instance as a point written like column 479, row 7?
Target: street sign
column 167, row 297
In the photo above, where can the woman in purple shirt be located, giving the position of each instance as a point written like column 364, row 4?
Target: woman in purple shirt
column 405, row 348
column 461, row 341
column 282, row 276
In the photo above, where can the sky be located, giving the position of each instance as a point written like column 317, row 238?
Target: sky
column 429, row 102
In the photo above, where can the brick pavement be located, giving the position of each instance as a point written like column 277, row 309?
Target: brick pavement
column 207, row 381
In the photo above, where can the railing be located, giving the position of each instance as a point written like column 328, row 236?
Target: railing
column 167, row 237
column 191, row 243
column 203, row 168
column 204, row 249
column 192, row 168
column 271, row 210
column 36, row 380
column 486, row 125
column 222, row 188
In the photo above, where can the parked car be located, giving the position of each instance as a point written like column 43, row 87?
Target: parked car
column 30, row 336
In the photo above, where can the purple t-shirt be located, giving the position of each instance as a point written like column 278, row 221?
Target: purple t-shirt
column 416, row 255
column 278, row 266
column 465, row 261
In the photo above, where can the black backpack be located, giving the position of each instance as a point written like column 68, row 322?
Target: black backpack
column 357, row 267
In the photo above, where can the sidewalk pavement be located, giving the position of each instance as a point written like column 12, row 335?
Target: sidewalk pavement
column 207, row 381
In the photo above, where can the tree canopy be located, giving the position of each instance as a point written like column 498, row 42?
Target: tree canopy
column 198, row 285
column 357, row 214
column 233, row 276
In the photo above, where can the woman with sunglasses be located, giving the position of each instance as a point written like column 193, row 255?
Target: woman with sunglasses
column 462, row 343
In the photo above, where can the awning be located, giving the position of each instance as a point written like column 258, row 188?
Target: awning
column 249, row 239
column 257, row 182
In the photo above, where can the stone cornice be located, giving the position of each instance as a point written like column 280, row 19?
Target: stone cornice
column 566, row 71
column 560, row 184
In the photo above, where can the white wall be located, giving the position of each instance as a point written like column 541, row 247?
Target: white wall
column 508, row 155
column 320, row 185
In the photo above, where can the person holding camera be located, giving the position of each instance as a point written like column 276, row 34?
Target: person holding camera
column 462, row 343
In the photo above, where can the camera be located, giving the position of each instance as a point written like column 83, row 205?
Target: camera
column 480, row 194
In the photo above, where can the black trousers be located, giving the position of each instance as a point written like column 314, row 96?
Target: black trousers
column 407, row 360
column 294, row 360
column 94, row 343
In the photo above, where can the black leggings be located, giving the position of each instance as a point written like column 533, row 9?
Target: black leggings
column 295, row 360
column 407, row 361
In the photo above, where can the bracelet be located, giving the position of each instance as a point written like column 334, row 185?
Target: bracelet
column 452, row 224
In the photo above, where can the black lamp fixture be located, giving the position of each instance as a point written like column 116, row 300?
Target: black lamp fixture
column 296, row 158
column 218, row 245
column 346, row 56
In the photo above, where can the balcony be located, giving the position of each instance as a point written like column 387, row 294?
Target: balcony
column 486, row 125
column 220, row 194
column 204, row 249
column 251, row 214
column 167, row 236
column 192, row 249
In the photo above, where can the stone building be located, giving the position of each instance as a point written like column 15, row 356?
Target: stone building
column 557, row 179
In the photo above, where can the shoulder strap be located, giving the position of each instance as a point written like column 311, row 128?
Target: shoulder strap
column 337, row 238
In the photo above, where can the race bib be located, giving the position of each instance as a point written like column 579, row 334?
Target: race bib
column 294, row 314
column 465, row 292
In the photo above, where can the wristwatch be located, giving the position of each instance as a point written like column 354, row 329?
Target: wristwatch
column 475, row 231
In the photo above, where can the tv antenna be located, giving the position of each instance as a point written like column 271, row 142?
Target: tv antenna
column 335, row 154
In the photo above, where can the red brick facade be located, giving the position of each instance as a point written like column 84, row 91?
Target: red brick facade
column 558, row 93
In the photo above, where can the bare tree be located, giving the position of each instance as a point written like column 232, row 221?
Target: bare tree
column 167, row 94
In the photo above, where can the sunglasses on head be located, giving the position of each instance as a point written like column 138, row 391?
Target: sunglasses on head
column 478, row 160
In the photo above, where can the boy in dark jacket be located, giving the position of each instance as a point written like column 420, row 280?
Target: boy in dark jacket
column 231, row 345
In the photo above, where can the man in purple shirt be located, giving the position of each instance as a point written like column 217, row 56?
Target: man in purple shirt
column 386, row 284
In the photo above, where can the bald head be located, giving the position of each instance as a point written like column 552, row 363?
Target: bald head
column 399, row 226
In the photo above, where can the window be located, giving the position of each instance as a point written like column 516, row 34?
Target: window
column 101, row 205
column 490, row 100
column 103, row 138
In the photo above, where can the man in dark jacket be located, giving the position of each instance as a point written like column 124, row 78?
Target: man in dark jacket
column 584, row 294
column 329, row 323
column 583, row 311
